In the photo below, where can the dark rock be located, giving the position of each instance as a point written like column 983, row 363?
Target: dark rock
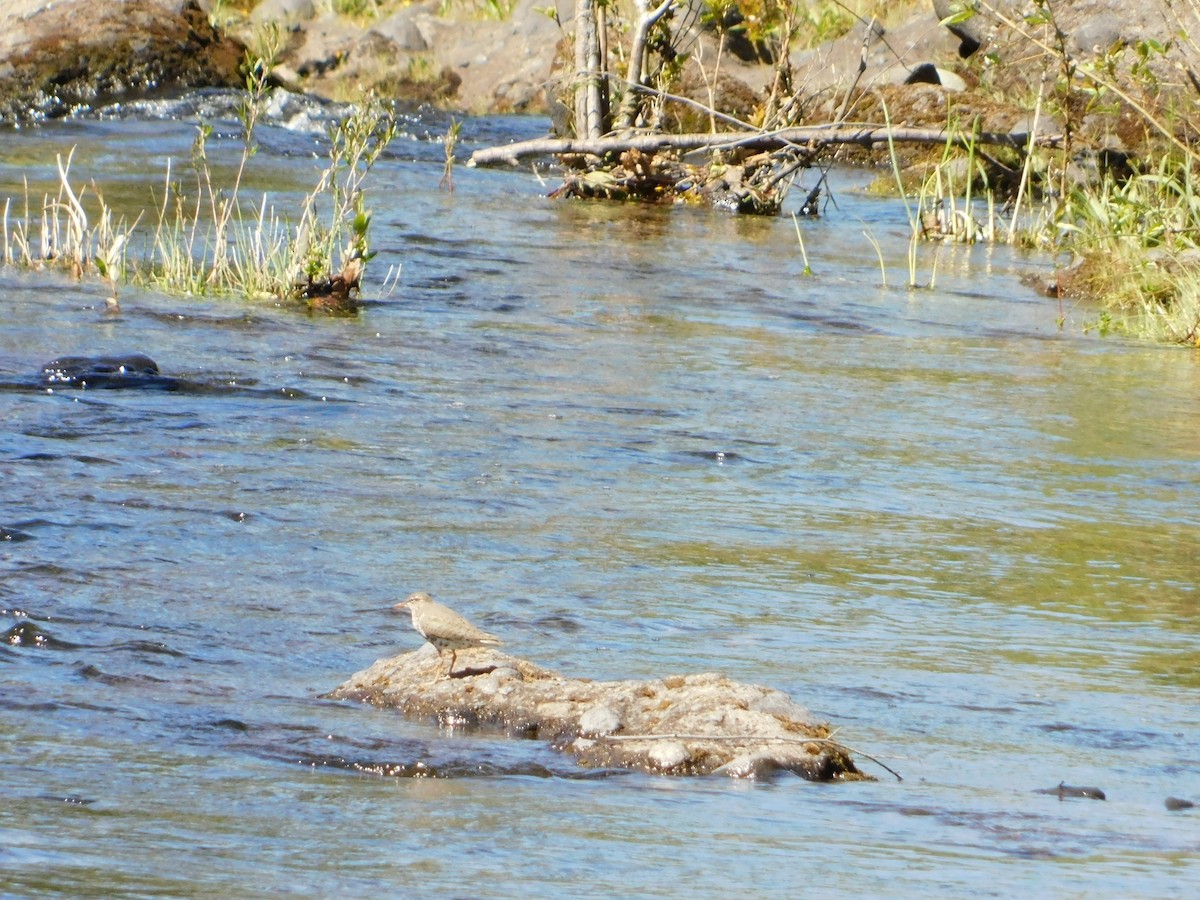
column 133, row 371
column 1062, row 791
column 26, row 634
column 57, row 58
column 1175, row 804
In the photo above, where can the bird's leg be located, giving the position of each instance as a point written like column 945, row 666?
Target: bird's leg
column 437, row 673
column 450, row 668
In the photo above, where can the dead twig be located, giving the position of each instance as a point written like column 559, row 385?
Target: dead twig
column 749, row 739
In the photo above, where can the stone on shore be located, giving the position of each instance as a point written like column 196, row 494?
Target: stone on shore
column 58, row 58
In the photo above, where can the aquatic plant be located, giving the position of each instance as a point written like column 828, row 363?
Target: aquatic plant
column 800, row 240
column 1137, row 247
column 207, row 238
column 334, row 223
column 214, row 245
column 62, row 234
column 450, row 141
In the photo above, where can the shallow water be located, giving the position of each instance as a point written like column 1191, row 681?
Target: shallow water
column 634, row 442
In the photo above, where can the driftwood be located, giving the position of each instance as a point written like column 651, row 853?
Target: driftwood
column 679, row 725
column 807, row 137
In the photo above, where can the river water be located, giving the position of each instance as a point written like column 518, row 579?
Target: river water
column 634, row 442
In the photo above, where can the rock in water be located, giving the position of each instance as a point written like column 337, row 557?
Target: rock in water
column 1063, row 791
column 134, row 370
column 678, row 725
column 56, row 58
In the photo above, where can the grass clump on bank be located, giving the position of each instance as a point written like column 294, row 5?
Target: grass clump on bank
column 1134, row 235
column 1119, row 188
column 207, row 239
column 1137, row 246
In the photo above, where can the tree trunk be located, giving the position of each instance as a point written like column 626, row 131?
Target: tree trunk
column 637, row 60
column 588, row 107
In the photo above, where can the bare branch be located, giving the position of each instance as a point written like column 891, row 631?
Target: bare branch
column 811, row 136
column 748, row 739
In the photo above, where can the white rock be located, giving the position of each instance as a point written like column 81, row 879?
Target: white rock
column 600, row 720
column 667, row 755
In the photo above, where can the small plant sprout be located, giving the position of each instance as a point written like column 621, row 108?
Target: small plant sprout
column 800, row 238
column 450, row 141
column 878, row 254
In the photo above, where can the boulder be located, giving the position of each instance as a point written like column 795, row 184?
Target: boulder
column 1011, row 30
column 868, row 56
column 56, row 58
column 975, row 31
column 94, row 372
column 282, row 12
column 679, row 725
column 422, row 52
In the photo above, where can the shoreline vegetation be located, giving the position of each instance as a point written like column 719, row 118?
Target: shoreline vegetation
column 204, row 237
column 1025, row 139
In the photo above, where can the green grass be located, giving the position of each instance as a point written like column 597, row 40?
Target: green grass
column 1134, row 236
column 208, row 237
column 1143, row 236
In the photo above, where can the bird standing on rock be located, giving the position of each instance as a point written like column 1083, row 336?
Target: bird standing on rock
column 443, row 627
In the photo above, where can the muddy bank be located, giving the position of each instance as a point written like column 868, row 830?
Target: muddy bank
column 679, row 725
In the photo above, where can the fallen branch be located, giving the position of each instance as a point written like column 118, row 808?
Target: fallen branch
column 810, row 136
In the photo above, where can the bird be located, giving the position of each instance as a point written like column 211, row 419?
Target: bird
column 443, row 627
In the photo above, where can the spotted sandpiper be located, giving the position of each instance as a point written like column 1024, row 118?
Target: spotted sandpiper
column 443, row 627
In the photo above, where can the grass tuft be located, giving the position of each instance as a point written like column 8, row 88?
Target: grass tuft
column 208, row 239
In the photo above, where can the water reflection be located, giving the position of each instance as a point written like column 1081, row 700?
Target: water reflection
column 643, row 443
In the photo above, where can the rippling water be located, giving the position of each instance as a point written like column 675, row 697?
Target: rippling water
column 635, row 442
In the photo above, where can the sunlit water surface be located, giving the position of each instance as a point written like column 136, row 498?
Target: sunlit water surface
column 635, row 442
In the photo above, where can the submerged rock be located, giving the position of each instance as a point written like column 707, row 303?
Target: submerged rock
column 679, row 725
column 1062, row 791
column 134, row 370
column 27, row 634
